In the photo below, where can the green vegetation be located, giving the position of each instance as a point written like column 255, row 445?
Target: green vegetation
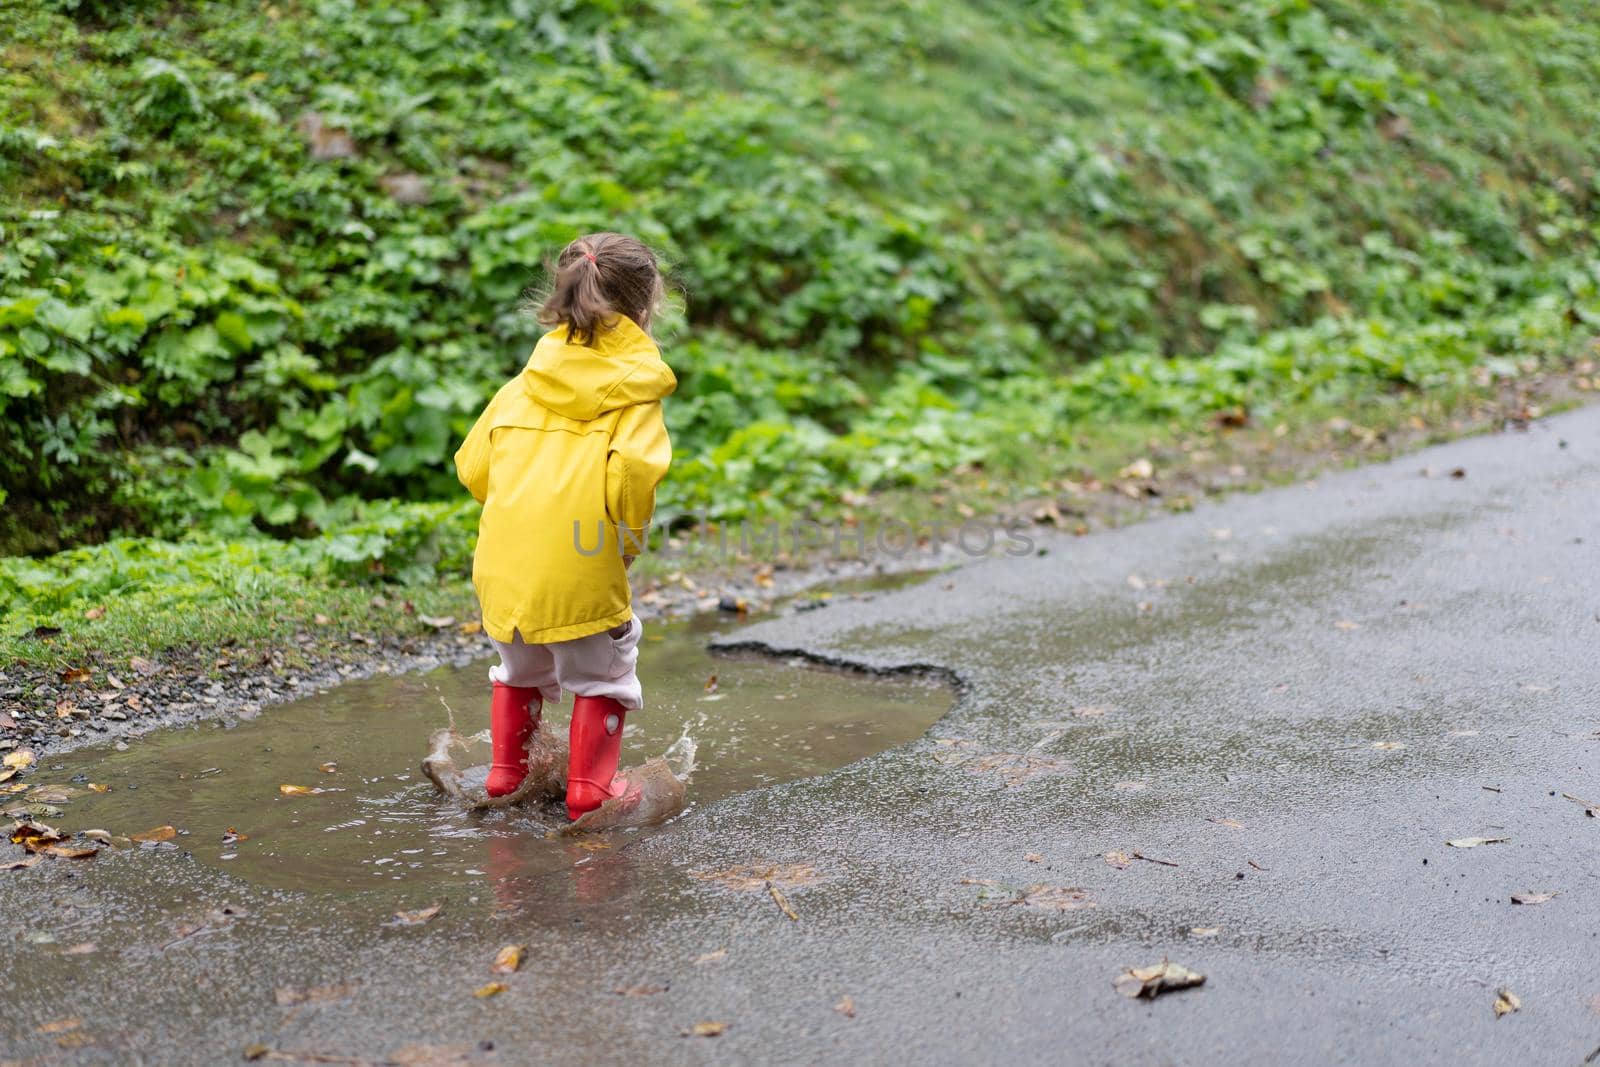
column 260, row 262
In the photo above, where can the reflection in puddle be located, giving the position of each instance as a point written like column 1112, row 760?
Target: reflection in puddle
column 369, row 818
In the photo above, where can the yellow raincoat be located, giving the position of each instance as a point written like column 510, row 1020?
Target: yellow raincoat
column 566, row 453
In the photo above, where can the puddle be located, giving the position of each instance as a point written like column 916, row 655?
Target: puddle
column 378, row 821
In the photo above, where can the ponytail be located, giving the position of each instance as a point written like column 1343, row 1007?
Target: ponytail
column 597, row 278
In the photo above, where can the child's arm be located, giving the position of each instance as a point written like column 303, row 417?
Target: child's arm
column 472, row 458
column 638, row 460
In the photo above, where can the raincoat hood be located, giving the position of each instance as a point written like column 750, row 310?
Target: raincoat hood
column 623, row 367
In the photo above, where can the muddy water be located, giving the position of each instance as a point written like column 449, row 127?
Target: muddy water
column 374, row 821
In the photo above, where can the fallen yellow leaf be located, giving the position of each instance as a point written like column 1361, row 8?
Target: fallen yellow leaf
column 706, row 1029
column 297, row 790
column 1506, row 1002
column 490, row 990
column 508, row 960
column 19, row 759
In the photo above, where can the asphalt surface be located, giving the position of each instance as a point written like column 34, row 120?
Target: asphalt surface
column 1293, row 700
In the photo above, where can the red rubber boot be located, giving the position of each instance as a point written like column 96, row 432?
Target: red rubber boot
column 596, row 746
column 513, row 716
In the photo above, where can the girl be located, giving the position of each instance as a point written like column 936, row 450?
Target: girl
column 565, row 461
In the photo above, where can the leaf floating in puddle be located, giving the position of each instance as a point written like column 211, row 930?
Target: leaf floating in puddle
column 416, row 918
column 69, row 852
column 1055, row 898
column 1151, row 982
column 231, row 836
column 706, row 1029
column 491, row 990
column 1506, row 1002
column 1474, row 842
column 753, row 876
column 711, row 684
column 298, row 790
column 34, row 836
column 159, row 833
column 97, row 787
column 1532, row 898
column 328, row 768
column 508, row 960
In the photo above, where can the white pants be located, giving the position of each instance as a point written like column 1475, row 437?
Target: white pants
column 600, row 665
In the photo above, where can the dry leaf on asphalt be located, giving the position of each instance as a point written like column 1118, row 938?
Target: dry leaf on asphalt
column 705, row 1029
column 1204, row 931
column 1119, row 860
column 415, row 918
column 1347, row 625
column 1033, row 857
column 640, row 990
column 1388, row 746
column 1152, row 981
column 1531, row 898
column 159, row 833
column 293, row 998
column 846, row 1007
column 1506, row 1002
column 711, row 957
column 1474, row 842
column 782, row 901
column 508, row 960
column 490, row 990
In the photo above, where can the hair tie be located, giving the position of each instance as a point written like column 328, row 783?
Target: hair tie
column 590, row 257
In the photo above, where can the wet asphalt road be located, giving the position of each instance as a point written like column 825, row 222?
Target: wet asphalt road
column 1295, row 699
